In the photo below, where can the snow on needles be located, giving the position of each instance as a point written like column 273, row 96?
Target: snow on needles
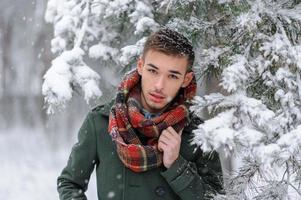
column 67, row 71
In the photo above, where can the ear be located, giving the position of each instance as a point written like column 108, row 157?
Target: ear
column 187, row 79
column 140, row 63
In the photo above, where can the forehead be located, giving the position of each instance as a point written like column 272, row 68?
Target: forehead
column 164, row 61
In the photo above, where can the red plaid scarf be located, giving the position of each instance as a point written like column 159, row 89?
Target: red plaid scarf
column 126, row 118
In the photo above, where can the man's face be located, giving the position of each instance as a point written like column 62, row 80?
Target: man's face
column 161, row 77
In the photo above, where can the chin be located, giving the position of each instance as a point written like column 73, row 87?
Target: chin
column 156, row 107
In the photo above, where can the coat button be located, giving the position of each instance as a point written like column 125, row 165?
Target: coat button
column 160, row 191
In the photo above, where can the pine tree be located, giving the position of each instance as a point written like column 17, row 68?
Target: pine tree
column 252, row 47
column 259, row 119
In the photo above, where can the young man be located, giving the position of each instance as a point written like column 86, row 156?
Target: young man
column 140, row 143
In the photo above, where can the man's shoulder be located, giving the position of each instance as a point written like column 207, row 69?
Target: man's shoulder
column 195, row 119
column 98, row 108
column 102, row 109
column 193, row 122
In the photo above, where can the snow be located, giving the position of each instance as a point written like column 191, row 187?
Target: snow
column 141, row 10
column 248, row 20
column 131, row 51
column 224, row 1
column 210, row 56
column 69, row 70
column 249, row 136
column 215, row 133
column 103, row 51
column 117, row 7
column 58, row 44
column 51, row 11
column 111, row 195
column 267, row 154
column 88, row 80
column 66, row 24
column 235, row 75
column 30, row 165
column 145, row 23
column 57, row 86
column 290, row 142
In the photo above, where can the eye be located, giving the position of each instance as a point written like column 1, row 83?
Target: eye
column 152, row 71
column 173, row 76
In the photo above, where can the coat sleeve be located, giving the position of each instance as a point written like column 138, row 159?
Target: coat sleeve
column 73, row 181
column 200, row 178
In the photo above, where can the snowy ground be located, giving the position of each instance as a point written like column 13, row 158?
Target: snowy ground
column 30, row 165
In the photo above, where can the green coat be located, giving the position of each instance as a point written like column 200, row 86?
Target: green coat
column 190, row 177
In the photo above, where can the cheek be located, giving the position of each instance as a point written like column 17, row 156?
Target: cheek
column 173, row 88
column 145, row 83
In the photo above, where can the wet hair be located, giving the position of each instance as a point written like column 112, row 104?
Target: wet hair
column 170, row 42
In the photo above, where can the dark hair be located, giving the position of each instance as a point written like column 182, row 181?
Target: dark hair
column 170, row 42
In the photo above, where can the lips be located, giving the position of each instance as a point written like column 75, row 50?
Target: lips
column 157, row 98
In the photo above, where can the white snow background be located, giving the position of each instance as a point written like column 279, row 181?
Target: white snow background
column 30, row 166
column 34, row 147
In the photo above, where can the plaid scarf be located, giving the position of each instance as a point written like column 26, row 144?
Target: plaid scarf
column 126, row 118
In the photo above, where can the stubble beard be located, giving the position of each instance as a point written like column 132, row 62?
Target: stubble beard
column 155, row 108
column 149, row 104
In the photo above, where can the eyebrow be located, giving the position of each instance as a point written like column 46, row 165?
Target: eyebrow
column 171, row 71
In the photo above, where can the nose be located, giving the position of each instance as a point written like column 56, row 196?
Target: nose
column 159, row 84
